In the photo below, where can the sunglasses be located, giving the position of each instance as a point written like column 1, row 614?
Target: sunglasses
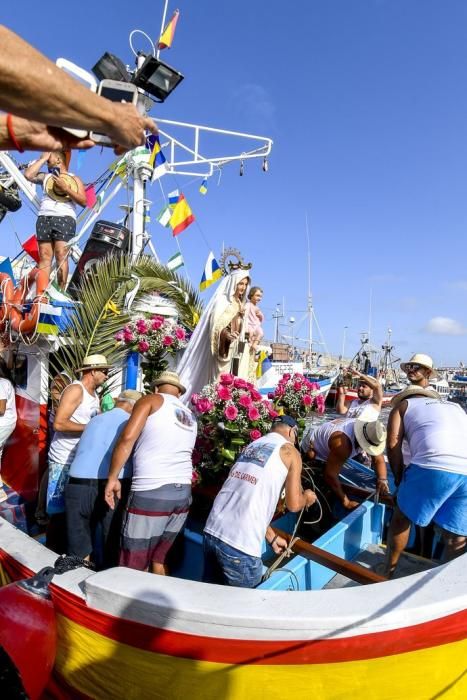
column 413, row 366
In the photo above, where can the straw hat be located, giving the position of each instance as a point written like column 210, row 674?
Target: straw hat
column 55, row 194
column 94, row 362
column 171, row 378
column 414, row 390
column 370, row 433
column 420, row 359
column 129, row 395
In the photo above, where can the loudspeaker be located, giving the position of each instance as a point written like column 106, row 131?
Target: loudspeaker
column 106, row 238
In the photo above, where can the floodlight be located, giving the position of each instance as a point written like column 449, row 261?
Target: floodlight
column 157, row 78
column 110, row 67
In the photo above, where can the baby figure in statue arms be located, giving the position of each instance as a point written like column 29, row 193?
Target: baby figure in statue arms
column 254, row 317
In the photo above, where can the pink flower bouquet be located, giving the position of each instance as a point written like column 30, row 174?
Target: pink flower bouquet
column 231, row 413
column 297, row 396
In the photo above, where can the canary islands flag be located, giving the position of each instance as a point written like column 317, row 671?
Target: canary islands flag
column 204, row 186
column 157, row 157
column 165, row 41
column 212, row 272
column 173, row 198
column 182, row 216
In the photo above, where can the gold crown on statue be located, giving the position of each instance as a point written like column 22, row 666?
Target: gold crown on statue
column 228, row 266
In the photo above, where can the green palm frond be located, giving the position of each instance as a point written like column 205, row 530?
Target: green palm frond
column 93, row 324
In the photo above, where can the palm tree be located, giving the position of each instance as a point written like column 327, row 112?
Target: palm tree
column 101, row 309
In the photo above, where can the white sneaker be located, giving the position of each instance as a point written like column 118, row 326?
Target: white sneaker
column 3, row 495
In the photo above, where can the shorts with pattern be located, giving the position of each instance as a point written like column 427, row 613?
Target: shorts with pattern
column 55, row 228
column 153, row 520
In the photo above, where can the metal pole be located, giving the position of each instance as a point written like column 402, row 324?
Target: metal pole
column 343, row 343
column 164, row 15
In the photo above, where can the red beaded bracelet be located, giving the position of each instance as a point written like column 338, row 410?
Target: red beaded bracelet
column 11, row 133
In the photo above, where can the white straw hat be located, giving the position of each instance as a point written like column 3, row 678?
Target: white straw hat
column 370, row 433
column 420, row 359
column 94, row 362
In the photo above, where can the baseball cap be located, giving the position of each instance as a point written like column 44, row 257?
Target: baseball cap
column 285, row 420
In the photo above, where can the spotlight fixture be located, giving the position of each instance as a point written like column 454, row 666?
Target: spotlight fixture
column 110, row 67
column 157, row 78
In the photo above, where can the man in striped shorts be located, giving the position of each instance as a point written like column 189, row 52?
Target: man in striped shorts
column 163, row 432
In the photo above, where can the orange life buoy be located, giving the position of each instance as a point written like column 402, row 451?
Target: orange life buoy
column 28, row 324
column 6, row 286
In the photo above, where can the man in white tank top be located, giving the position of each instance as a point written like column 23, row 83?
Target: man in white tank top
column 56, row 221
column 162, row 431
column 78, row 404
column 334, row 442
column 369, row 392
column 244, row 507
column 433, row 487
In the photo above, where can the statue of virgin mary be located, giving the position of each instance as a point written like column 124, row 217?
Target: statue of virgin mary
column 218, row 342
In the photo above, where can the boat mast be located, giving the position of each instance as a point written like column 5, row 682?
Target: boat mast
column 309, row 298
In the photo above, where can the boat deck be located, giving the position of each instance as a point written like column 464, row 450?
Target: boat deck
column 373, row 556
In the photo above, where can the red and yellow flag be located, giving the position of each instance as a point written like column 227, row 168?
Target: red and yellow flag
column 182, row 216
column 165, row 41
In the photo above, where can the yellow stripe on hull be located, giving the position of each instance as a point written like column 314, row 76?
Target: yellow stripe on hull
column 107, row 670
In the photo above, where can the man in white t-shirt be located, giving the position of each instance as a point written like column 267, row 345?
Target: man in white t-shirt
column 7, row 419
column 369, row 392
column 245, row 505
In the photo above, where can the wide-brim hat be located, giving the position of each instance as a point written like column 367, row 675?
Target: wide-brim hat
column 420, row 359
column 370, row 433
column 171, row 378
column 414, row 390
column 94, row 362
column 60, row 196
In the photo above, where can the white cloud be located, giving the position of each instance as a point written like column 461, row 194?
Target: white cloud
column 442, row 325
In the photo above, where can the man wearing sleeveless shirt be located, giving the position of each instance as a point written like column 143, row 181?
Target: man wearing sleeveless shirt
column 244, row 507
column 334, row 442
column 433, row 487
column 162, row 432
column 78, row 404
column 56, row 222
column 369, row 392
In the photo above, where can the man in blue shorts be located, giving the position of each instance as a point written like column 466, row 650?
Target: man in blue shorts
column 433, row 487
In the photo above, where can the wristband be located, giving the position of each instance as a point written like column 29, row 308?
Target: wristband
column 11, row 133
column 273, row 540
column 379, row 479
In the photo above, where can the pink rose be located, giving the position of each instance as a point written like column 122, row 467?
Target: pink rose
column 119, row 336
column 204, row 405
column 195, row 399
column 297, row 386
column 223, row 392
column 240, row 383
column 143, row 346
column 307, row 400
column 255, row 434
column 128, row 336
column 285, row 377
column 255, row 395
column 141, row 326
column 226, row 379
column 280, row 391
column 157, row 322
column 195, row 477
column 180, row 334
column 253, row 413
column 244, row 401
column 272, row 414
column 231, row 412
column 196, row 457
column 250, row 386
column 167, row 341
column 271, row 395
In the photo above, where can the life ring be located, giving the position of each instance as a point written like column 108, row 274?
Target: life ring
column 6, row 286
column 28, row 324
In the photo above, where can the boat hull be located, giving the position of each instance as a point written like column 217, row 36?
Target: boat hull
column 123, row 633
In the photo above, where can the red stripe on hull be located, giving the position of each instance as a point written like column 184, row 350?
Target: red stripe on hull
column 451, row 628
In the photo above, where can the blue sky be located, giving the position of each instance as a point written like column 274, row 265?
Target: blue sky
column 366, row 103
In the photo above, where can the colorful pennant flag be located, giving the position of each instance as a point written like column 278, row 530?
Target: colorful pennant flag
column 157, row 157
column 165, row 41
column 91, row 198
column 212, row 272
column 48, row 319
column 182, row 216
column 204, row 186
column 32, row 248
column 173, row 198
column 164, row 216
column 175, row 262
column 6, row 268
